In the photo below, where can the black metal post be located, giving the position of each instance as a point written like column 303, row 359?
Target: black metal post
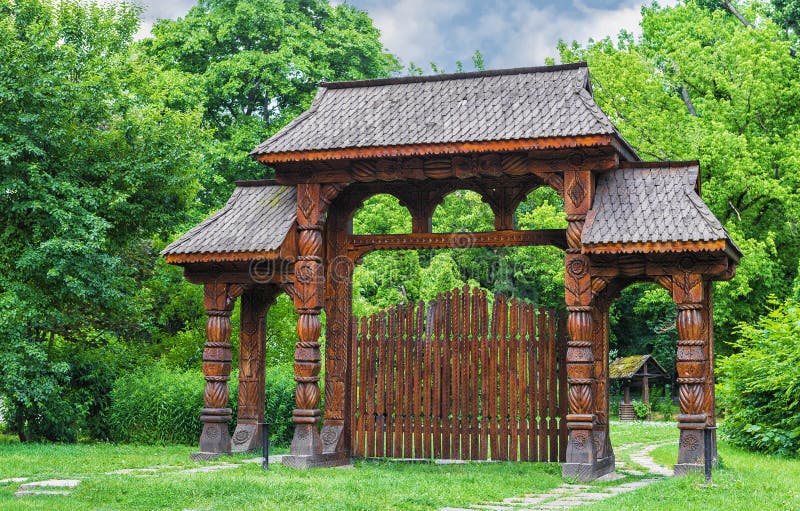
column 265, row 445
column 707, row 461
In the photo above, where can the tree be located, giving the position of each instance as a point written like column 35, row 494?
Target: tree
column 95, row 163
column 258, row 63
column 700, row 83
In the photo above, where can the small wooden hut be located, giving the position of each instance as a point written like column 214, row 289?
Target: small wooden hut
column 637, row 371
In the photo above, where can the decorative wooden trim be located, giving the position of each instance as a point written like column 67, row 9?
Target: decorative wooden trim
column 217, row 257
column 650, row 247
column 527, row 144
column 493, row 164
column 361, row 244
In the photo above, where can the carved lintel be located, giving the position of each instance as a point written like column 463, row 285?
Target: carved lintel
column 362, row 244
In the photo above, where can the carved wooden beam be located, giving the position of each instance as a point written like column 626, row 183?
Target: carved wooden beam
column 462, row 166
column 362, row 244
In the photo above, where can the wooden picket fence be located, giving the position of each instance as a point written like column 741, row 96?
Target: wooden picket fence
column 451, row 380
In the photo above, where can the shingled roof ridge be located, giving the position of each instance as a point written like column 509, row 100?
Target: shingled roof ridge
column 195, row 231
column 397, row 80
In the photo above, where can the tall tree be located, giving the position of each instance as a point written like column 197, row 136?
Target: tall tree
column 93, row 163
column 259, row 63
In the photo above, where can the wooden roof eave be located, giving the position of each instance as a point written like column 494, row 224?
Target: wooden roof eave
column 286, row 252
column 434, row 149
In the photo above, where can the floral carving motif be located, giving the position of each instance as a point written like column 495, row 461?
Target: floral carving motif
column 577, row 267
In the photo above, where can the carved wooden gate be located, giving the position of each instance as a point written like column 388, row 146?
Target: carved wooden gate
column 451, row 380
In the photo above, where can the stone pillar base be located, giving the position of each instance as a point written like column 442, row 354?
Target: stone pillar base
column 334, row 459
column 588, row 471
column 215, row 438
column 306, row 440
column 333, row 439
column 247, row 437
column 204, row 456
column 681, row 469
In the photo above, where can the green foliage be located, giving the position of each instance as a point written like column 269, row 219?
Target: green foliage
column 642, row 410
column 759, row 385
column 256, row 65
column 157, row 405
column 161, row 405
column 699, row 83
column 643, row 322
column 93, row 164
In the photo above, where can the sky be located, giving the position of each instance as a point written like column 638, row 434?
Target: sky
column 509, row 33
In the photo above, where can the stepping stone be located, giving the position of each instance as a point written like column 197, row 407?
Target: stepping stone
column 51, row 483
column 634, row 472
column 48, row 487
column 450, row 462
column 611, row 476
column 210, row 468
column 147, row 470
column 275, row 458
column 13, row 480
column 31, row 493
column 525, row 500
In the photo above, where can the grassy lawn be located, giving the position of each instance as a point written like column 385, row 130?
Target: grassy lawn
column 746, row 481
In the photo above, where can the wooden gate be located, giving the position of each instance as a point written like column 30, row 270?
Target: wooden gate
column 452, row 381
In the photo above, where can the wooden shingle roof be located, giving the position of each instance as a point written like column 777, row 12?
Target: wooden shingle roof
column 254, row 224
column 654, row 206
column 630, row 367
column 486, row 106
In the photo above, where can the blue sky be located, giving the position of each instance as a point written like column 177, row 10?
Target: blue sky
column 510, row 33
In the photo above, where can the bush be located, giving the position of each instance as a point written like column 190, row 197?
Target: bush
column 161, row 405
column 157, row 405
column 759, row 386
column 641, row 410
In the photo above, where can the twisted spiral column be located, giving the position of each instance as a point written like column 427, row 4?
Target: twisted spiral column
column 219, row 301
column 309, row 291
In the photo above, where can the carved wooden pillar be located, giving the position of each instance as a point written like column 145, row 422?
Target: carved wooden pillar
column 581, row 461
column 692, row 366
column 338, row 305
column 252, row 345
column 600, row 390
column 711, row 399
column 219, row 299
column 306, row 447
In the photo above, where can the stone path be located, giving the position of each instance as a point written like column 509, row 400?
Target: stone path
column 568, row 495
column 63, row 486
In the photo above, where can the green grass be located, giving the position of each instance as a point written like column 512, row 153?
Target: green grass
column 746, row 481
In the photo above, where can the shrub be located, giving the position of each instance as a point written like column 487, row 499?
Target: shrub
column 157, row 405
column 641, row 410
column 759, row 386
column 161, row 405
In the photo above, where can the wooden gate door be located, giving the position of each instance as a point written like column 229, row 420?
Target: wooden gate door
column 454, row 381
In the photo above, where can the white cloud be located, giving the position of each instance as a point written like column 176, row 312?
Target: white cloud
column 416, row 30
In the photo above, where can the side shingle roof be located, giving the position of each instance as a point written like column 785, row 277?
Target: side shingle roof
column 651, row 204
column 512, row 104
column 256, row 220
